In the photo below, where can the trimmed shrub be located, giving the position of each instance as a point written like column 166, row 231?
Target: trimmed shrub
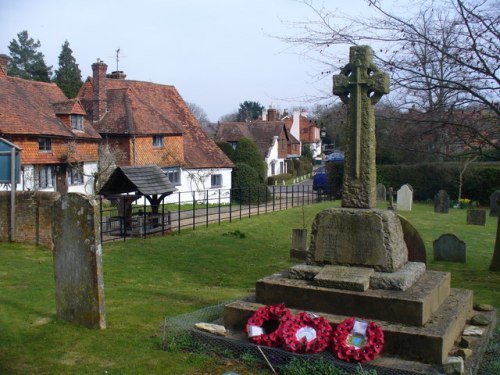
column 247, row 152
column 247, row 188
column 227, row 149
column 290, row 168
column 479, row 181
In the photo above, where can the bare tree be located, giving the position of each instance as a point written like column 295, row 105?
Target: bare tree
column 443, row 57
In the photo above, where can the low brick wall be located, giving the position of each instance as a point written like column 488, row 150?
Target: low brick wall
column 33, row 217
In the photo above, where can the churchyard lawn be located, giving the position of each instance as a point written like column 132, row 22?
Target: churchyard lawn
column 148, row 280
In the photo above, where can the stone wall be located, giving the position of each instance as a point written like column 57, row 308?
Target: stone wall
column 33, row 217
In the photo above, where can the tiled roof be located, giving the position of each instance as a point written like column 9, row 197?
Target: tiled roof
column 144, row 108
column 261, row 132
column 67, row 107
column 28, row 108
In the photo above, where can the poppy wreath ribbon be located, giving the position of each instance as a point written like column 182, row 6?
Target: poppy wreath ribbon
column 350, row 346
column 264, row 326
column 306, row 333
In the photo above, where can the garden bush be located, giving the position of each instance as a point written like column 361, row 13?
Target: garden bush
column 247, row 188
column 248, row 152
column 479, row 180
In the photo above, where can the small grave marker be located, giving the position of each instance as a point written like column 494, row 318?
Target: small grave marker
column 441, row 202
column 450, row 248
column 476, row 216
column 404, row 198
column 381, row 193
column 494, row 203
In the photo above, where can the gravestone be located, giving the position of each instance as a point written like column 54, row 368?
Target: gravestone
column 79, row 286
column 494, row 203
column 450, row 248
column 404, row 200
column 441, row 202
column 413, row 241
column 476, row 216
column 299, row 244
column 381, row 193
column 391, row 199
column 495, row 261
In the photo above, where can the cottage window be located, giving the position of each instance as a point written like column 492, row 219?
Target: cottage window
column 44, row 144
column 157, row 141
column 75, row 175
column 76, row 122
column 45, row 176
column 216, row 180
column 173, row 174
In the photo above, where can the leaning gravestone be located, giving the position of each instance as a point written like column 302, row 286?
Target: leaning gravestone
column 449, row 247
column 381, row 193
column 441, row 202
column 494, row 203
column 404, row 198
column 78, row 261
column 476, row 216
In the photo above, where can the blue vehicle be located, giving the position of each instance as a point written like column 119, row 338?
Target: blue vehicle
column 320, row 180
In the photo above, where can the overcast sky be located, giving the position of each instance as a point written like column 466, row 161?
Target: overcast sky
column 217, row 53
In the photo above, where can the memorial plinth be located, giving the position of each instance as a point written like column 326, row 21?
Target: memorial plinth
column 357, row 263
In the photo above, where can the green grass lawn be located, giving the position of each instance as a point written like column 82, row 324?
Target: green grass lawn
column 147, row 280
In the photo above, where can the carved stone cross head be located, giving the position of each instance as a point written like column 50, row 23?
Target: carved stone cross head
column 360, row 73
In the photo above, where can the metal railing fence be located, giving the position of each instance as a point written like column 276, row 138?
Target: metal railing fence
column 124, row 216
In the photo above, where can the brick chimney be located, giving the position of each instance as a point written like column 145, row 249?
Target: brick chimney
column 4, row 60
column 99, row 105
column 117, row 74
column 272, row 114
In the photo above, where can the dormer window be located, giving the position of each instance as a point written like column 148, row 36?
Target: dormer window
column 44, row 144
column 157, row 141
column 76, row 122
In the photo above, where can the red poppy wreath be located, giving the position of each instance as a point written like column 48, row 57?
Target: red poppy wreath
column 264, row 326
column 355, row 340
column 306, row 333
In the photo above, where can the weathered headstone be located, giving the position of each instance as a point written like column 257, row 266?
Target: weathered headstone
column 360, row 85
column 381, row 193
column 449, row 247
column 441, row 202
column 476, row 216
column 404, row 198
column 79, row 286
column 391, row 199
column 494, row 197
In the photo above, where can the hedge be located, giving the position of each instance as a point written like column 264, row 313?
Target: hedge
column 279, row 178
column 479, row 180
column 247, row 187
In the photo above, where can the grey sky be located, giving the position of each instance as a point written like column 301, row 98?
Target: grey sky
column 217, row 53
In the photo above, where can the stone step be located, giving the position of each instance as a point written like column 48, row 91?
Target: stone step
column 430, row 343
column 414, row 306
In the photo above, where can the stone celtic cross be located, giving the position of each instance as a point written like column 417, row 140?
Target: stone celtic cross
column 360, row 85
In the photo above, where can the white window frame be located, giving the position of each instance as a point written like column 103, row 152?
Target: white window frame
column 44, row 144
column 76, row 122
column 216, row 180
column 173, row 174
column 45, row 176
column 157, row 141
column 74, row 175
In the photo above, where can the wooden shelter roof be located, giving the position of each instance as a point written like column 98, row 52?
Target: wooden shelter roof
column 146, row 180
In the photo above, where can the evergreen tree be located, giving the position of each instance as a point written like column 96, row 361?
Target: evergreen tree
column 68, row 77
column 248, row 152
column 26, row 62
column 249, row 111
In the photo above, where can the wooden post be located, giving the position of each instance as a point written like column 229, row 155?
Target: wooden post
column 12, row 235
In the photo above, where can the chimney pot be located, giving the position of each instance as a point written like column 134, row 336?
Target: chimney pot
column 4, row 61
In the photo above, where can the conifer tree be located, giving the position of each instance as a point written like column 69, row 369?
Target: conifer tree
column 68, row 77
column 26, row 61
